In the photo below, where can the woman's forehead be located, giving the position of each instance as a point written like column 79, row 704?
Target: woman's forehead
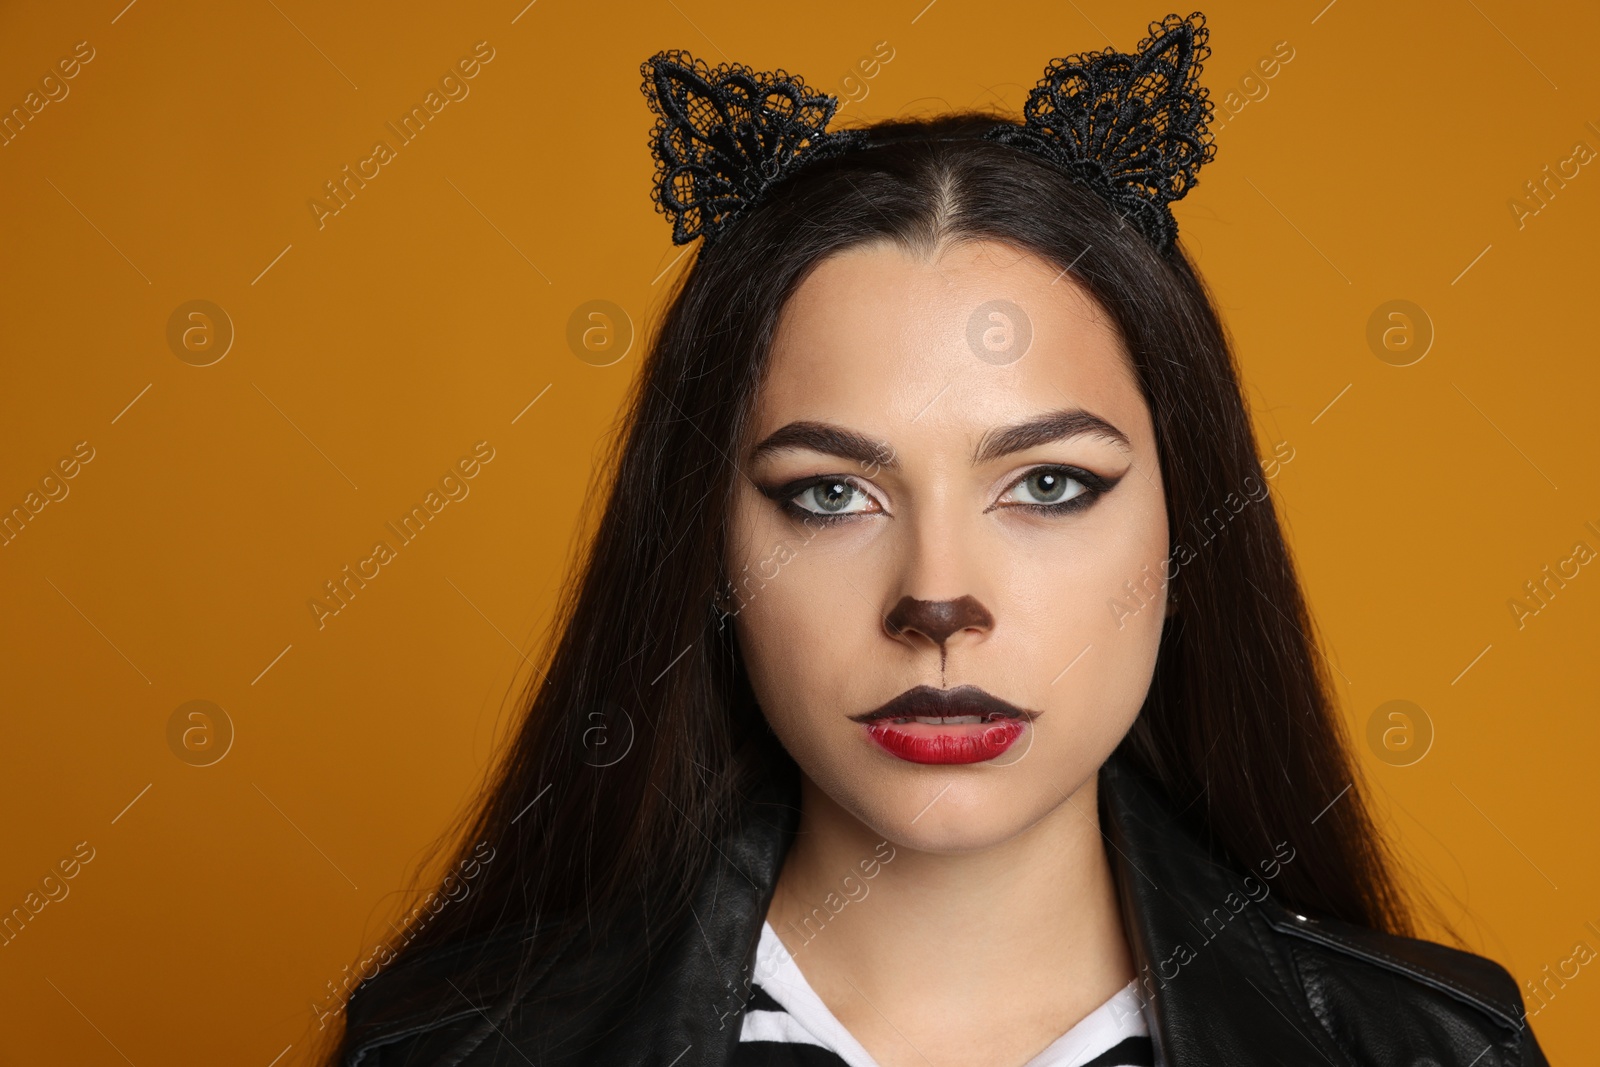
column 982, row 334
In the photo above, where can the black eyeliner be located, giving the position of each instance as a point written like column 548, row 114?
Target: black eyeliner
column 1095, row 486
column 784, row 496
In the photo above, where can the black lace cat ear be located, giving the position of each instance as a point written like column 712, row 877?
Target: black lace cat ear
column 1133, row 127
column 724, row 135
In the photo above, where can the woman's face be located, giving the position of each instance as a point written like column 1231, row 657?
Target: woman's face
column 951, row 482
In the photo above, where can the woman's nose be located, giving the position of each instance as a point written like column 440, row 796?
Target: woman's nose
column 937, row 619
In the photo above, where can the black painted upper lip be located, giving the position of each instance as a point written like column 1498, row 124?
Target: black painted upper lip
column 925, row 700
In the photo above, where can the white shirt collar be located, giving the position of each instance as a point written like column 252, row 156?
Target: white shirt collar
column 1118, row 1019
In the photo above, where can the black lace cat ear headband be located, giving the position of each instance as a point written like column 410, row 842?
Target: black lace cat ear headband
column 1131, row 127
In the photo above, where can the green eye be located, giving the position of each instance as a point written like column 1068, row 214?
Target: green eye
column 1056, row 490
column 831, row 497
column 1050, row 486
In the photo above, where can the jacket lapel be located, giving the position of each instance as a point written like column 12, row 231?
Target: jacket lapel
column 1219, row 986
column 701, row 980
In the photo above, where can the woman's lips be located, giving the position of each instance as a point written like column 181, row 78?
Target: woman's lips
column 921, row 742
column 960, row 725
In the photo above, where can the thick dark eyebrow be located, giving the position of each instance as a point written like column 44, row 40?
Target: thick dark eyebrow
column 1051, row 426
column 834, row 440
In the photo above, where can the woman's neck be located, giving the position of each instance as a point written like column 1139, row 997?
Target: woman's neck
column 965, row 958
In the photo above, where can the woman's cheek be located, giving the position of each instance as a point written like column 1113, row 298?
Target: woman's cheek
column 1095, row 621
column 1130, row 619
column 795, row 645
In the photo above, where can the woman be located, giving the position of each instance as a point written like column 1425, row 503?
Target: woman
column 938, row 687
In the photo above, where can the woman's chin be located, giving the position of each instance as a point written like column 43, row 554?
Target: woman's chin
column 942, row 801
column 955, row 813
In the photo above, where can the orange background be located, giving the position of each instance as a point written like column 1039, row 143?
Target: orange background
column 371, row 353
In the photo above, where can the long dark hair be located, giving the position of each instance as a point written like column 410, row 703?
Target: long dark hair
column 1239, row 727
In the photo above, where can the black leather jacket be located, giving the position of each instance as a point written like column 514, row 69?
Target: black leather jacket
column 1232, row 977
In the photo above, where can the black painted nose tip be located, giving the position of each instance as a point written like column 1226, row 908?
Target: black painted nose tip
column 937, row 619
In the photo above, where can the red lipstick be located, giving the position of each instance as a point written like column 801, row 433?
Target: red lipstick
column 922, row 743
column 961, row 725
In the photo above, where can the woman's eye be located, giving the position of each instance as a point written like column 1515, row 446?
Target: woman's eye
column 1050, row 488
column 832, row 496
